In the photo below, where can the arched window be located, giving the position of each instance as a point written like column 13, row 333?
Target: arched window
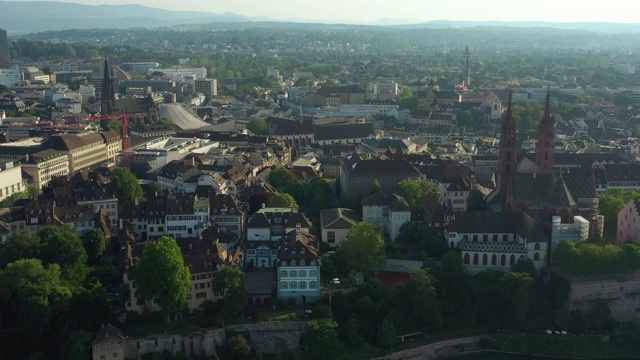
column 283, row 273
column 293, row 263
column 312, row 285
column 283, row 285
column 537, row 246
column 292, row 273
column 303, row 284
column 302, row 273
column 512, row 260
column 484, row 259
column 302, row 262
column 466, row 259
column 293, row 285
column 475, row 259
column 452, row 245
column 494, row 260
column 503, row 260
column 536, row 257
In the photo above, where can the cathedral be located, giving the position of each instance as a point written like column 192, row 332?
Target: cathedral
column 536, row 188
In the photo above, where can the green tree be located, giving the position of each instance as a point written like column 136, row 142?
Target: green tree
column 525, row 265
column 376, row 188
column 258, row 126
column 19, row 246
column 407, row 100
column 230, row 280
column 321, row 340
column 76, row 344
column 350, row 333
column 517, row 291
column 600, row 315
column 238, row 348
column 279, row 178
column 416, row 192
column 126, row 186
column 94, row 243
column 161, row 274
column 283, row 200
column 363, row 250
column 476, row 201
column 387, row 333
column 35, row 294
column 62, row 245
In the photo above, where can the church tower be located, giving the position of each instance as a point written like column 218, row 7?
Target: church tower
column 507, row 151
column 107, row 96
column 544, row 146
column 467, row 67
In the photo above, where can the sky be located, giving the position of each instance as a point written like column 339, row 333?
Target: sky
column 422, row 10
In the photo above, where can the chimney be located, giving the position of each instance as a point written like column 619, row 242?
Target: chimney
column 120, row 227
column 263, row 205
column 190, row 246
column 27, row 158
column 136, row 201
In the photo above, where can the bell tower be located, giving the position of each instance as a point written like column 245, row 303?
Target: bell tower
column 507, row 151
column 544, row 146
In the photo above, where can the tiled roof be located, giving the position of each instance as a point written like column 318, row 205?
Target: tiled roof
column 497, row 223
column 338, row 218
column 339, row 132
column 622, row 172
column 108, row 334
column 384, row 167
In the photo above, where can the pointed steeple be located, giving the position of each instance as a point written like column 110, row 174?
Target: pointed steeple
column 544, row 147
column 507, row 152
column 107, row 95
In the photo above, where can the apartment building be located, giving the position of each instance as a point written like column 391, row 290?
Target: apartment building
column 45, row 165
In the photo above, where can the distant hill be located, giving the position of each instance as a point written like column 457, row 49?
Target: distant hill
column 38, row 16
column 35, row 16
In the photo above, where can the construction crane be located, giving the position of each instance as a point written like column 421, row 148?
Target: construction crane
column 124, row 117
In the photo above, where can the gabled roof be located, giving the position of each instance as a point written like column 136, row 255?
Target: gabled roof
column 339, row 132
column 338, row 218
column 497, row 223
column 108, row 334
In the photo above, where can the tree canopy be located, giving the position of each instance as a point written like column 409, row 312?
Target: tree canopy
column 126, row 186
column 283, row 200
column 279, row 178
column 161, row 274
column 230, row 280
column 258, row 126
column 415, row 192
column 94, row 243
column 612, row 202
column 363, row 250
column 588, row 258
column 321, row 340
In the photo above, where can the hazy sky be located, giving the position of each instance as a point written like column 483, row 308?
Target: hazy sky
column 365, row 10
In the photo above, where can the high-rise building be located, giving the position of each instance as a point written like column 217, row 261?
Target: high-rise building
column 209, row 87
column 4, row 49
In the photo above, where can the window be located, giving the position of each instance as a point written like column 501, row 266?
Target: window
column 331, row 237
column 115, row 354
column 103, row 356
column 537, row 246
column 475, row 237
column 536, row 257
column 475, row 259
column 293, row 263
column 312, row 273
column 495, row 237
column 466, row 259
column 504, row 237
column 503, row 260
column 312, row 285
column 293, row 285
column 284, row 285
column 494, row 259
column 484, row 259
column 302, row 273
column 283, row 273
column 512, row 260
column 303, row 284
column 292, row 273
column 302, row 262
column 485, row 237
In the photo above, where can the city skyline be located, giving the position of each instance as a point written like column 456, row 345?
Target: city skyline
column 406, row 11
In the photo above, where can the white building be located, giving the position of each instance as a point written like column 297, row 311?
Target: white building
column 576, row 231
column 187, row 215
column 496, row 240
column 388, row 212
column 180, row 72
column 10, row 180
column 45, row 165
column 87, row 91
column 10, row 76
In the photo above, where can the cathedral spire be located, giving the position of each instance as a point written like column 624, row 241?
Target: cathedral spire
column 107, row 95
column 507, row 152
column 544, row 147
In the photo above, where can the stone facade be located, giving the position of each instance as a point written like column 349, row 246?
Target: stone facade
column 622, row 294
